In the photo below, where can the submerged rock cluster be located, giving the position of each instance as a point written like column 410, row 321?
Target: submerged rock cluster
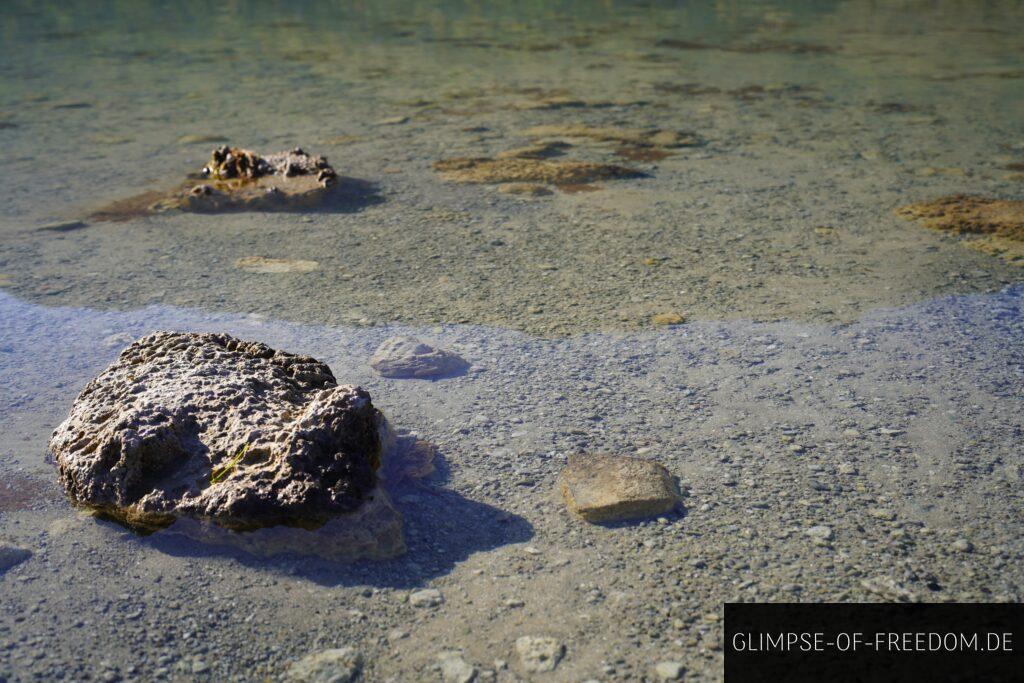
column 237, row 179
column 213, row 428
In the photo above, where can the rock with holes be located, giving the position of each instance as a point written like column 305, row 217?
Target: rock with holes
column 229, row 435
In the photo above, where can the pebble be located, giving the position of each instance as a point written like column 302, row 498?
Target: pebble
column 820, row 533
column 883, row 514
column 538, row 654
column 426, row 598
column 961, row 545
column 669, row 671
column 338, row 665
column 455, row 669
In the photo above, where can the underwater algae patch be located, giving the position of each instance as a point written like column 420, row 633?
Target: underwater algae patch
column 997, row 223
column 519, row 170
column 640, row 137
column 263, row 264
column 19, row 492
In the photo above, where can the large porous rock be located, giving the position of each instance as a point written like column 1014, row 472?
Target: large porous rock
column 607, row 488
column 405, row 357
column 224, row 433
column 237, row 179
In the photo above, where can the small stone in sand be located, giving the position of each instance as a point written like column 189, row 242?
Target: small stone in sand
column 666, row 319
column 669, row 671
column 406, row 358
column 339, row 665
column 426, row 598
column 538, row 654
column 261, row 264
column 604, row 488
column 455, row 669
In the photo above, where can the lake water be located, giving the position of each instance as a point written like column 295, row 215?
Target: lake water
column 828, row 363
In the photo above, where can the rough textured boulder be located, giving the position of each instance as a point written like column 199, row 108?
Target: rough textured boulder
column 606, row 488
column 226, row 432
column 404, row 357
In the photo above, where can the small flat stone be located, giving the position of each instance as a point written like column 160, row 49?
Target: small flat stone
column 669, row 671
column 961, row 545
column 64, row 226
column 261, row 264
column 426, row 598
column 602, row 488
column 338, row 665
column 820, row 533
column 455, row 669
column 408, row 358
column 538, row 654
column 665, row 319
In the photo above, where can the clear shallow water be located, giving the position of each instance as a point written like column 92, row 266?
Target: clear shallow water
column 893, row 363
column 95, row 97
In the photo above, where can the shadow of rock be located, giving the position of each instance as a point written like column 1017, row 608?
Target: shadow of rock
column 347, row 195
column 441, row 528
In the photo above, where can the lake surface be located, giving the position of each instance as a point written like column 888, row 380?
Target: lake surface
column 827, row 363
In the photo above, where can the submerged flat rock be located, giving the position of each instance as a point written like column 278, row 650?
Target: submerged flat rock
column 337, row 665
column 230, row 433
column 407, row 358
column 606, row 488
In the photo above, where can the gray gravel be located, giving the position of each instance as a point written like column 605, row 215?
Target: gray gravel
column 908, row 424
